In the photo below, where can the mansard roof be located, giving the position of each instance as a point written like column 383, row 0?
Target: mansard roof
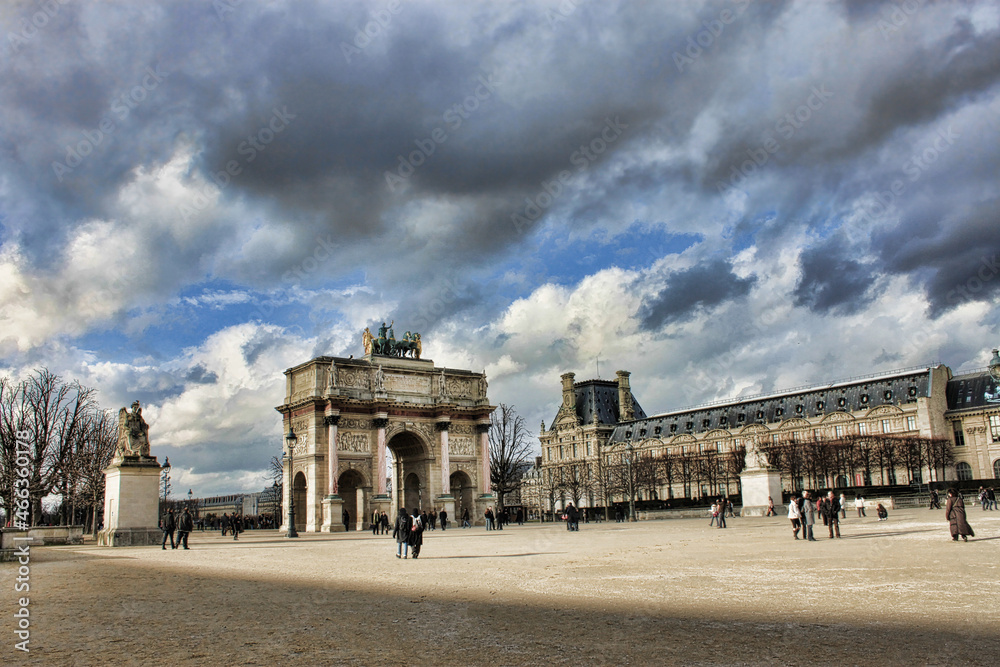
column 854, row 394
column 600, row 397
column 969, row 390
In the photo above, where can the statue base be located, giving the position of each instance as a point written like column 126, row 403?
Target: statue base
column 131, row 503
column 757, row 485
column 333, row 511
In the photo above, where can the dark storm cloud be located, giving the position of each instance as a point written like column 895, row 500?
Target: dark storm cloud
column 515, row 95
column 832, row 280
column 694, row 290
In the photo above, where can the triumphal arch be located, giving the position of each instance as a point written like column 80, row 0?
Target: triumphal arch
column 385, row 430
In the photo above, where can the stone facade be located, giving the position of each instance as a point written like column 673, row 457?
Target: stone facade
column 928, row 402
column 431, row 422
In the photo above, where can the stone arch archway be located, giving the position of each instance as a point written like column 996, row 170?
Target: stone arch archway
column 299, row 496
column 411, row 470
column 355, row 493
column 463, row 490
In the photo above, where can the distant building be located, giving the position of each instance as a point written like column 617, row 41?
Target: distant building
column 698, row 452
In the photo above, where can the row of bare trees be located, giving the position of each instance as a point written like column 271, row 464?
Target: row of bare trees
column 620, row 474
column 72, row 440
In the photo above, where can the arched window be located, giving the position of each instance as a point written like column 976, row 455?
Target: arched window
column 964, row 471
column 996, row 468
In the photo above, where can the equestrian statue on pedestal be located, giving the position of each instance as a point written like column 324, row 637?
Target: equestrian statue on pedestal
column 387, row 345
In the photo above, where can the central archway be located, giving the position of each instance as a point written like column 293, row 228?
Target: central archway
column 355, row 493
column 411, row 461
column 462, row 489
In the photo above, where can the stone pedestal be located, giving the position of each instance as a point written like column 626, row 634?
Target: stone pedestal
column 756, row 485
column 446, row 502
column 131, row 503
column 333, row 511
column 482, row 502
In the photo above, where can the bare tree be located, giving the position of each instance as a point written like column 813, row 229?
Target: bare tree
column 576, row 481
column 510, row 449
column 93, row 454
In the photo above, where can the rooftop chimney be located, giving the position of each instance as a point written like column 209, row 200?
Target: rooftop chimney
column 625, row 410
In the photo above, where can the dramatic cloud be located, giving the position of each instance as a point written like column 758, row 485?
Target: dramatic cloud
column 194, row 196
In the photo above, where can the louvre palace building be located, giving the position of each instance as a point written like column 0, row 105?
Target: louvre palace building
column 916, row 426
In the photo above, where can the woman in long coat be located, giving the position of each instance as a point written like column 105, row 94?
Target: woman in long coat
column 954, row 511
column 401, row 533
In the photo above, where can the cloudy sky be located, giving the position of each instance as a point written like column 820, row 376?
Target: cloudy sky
column 724, row 198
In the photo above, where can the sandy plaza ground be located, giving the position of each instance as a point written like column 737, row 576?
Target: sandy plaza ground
column 656, row 592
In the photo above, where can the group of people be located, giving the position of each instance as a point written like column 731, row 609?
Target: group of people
column 380, row 520
column 802, row 512
column 408, row 533
column 988, row 498
column 183, row 525
column 720, row 509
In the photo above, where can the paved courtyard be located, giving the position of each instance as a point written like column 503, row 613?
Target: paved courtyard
column 658, row 592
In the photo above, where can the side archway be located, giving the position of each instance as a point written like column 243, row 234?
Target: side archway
column 299, row 495
column 462, row 489
column 354, row 492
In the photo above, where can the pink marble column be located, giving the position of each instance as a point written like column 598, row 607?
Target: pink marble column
column 332, row 419
column 380, row 422
column 484, row 455
column 442, row 427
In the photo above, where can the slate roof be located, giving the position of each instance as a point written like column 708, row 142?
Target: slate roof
column 600, row 396
column 895, row 387
column 969, row 390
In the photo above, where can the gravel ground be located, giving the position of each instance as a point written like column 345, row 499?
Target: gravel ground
column 658, row 592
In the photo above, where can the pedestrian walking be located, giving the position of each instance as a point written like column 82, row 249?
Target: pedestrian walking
column 843, row 506
column 795, row 516
column 465, row 518
column 488, row 515
column 443, row 518
column 715, row 515
column 416, row 537
column 722, row 506
column 831, row 509
column 954, row 511
column 184, row 528
column 808, row 517
column 384, row 524
column 572, row 517
column 859, row 504
column 935, row 502
column 346, row 518
column 401, row 533
column 168, row 524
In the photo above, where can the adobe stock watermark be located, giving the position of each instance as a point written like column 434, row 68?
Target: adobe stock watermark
column 364, row 36
column 121, row 107
column 703, row 40
column 989, row 268
column 453, row 117
column 895, row 19
column 21, row 515
column 581, row 158
column 562, row 12
column 321, row 253
column 255, row 144
column 913, row 168
column 786, row 127
column 29, row 26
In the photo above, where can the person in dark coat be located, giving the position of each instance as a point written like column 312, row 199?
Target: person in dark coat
column 184, row 528
column 384, row 530
column 346, row 516
column 831, row 513
column 443, row 518
column 416, row 537
column 935, row 502
column 401, row 533
column 465, row 518
column 225, row 523
column 721, row 505
column 572, row 517
column 168, row 525
column 954, row 511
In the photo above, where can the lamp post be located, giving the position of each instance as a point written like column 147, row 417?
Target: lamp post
column 631, row 483
column 190, row 496
column 291, row 439
column 165, row 481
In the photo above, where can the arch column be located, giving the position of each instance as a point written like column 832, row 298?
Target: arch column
column 333, row 504
column 445, row 501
